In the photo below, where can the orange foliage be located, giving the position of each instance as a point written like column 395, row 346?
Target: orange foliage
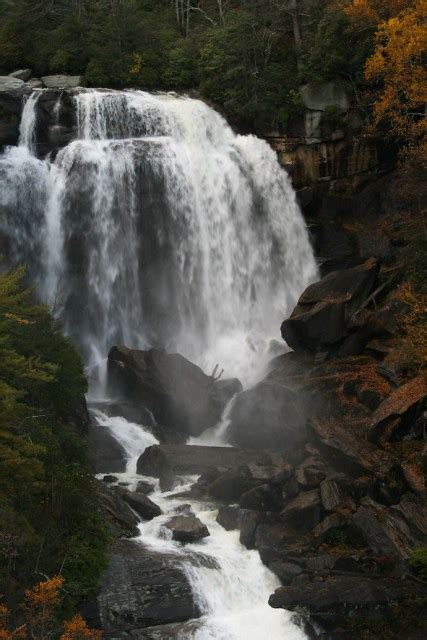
column 40, row 606
column 376, row 11
column 77, row 629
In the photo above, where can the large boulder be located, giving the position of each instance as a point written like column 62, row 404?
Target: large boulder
column 8, row 83
column 62, row 81
column 105, row 454
column 325, row 309
column 140, row 503
column 21, row 74
column 141, row 588
column 175, row 390
column 187, row 528
column 163, row 459
column 121, row 520
column 271, row 415
column 304, row 511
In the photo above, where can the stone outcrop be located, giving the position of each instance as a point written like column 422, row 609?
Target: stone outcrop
column 177, row 392
column 63, row 81
column 105, row 454
column 140, row 503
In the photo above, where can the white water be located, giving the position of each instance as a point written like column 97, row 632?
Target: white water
column 233, row 597
column 159, row 226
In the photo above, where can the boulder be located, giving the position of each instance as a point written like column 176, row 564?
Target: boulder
column 141, row 588
column 249, row 521
column 187, row 528
column 62, row 81
column 224, row 390
column 396, row 415
column 304, row 511
column 35, row 83
column 331, row 602
column 120, row 518
column 285, row 571
column 21, row 74
column 176, row 391
column 271, row 416
column 110, row 479
column 187, row 460
column 229, row 486
column 265, row 497
column 310, row 472
column 229, row 517
column 325, row 309
column 329, row 524
column 140, row 503
column 144, row 487
column 105, row 454
column 8, row 83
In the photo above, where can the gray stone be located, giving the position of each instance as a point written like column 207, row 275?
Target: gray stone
column 21, row 74
column 35, row 83
column 7, row 83
column 303, row 511
column 330, row 495
column 141, row 503
column 105, row 454
column 285, row 571
column 187, row 528
column 61, row 81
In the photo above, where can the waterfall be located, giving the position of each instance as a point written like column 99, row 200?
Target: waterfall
column 158, row 226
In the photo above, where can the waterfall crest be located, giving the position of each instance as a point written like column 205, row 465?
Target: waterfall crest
column 158, row 226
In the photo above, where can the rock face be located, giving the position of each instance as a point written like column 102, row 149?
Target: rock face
column 120, row 518
column 141, row 588
column 21, row 74
column 140, row 503
column 187, row 528
column 177, row 392
column 270, row 415
column 318, row 97
column 105, row 454
column 325, row 309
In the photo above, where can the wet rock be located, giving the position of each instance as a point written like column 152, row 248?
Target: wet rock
column 229, row 517
column 105, row 454
column 262, row 498
column 188, row 460
column 176, row 391
column 279, row 542
column 187, row 528
column 63, row 81
column 35, row 83
column 325, row 309
column 229, row 486
column 224, row 390
column 11, row 84
column 142, row 588
column 304, row 511
column 144, row 487
column 120, row 518
column 285, row 571
column 331, row 602
column 249, row 521
column 395, row 416
column 141, row 503
column 270, row 416
column 109, row 479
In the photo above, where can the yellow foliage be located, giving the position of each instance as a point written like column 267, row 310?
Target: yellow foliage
column 414, row 326
column 77, row 629
column 397, row 65
column 376, row 11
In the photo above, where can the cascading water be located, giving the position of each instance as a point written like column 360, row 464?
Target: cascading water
column 159, row 226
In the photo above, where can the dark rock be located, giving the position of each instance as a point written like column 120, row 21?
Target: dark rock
column 187, row 528
column 304, row 511
column 394, row 417
column 229, row 517
column 331, row 602
column 270, row 416
column 105, row 454
column 285, row 571
column 141, row 588
column 183, row 510
column 325, row 309
column 262, row 498
column 187, row 460
column 249, row 521
column 144, row 487
column 21, row 74
column 120, row 518
column 323, row 562
column 330, row 495
column 229, row 486
column 224, row 390
column 141, row 503
column 109, row 479
column 279, row 542
column 175, row 390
